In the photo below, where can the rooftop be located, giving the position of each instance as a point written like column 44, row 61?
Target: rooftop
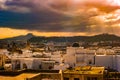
column 22, row 76
column 85, row 70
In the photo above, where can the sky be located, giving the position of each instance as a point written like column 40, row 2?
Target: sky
column 59, row 17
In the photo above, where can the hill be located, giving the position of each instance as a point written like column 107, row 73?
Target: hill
column 21, row 37
column 96, row 38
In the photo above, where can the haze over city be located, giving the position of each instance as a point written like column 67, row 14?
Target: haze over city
column 59, row 17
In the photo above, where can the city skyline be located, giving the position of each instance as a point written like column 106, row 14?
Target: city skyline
column 59, row 17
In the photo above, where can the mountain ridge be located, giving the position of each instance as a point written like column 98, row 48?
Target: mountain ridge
column 21, row 37
column 95, row 38
column 32, row 38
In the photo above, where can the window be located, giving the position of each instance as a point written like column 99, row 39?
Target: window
column 40, row 67
column 88, row 78
column 92, row 78
column 76, row 78
column 66, row 78
column 90, row 62
column 24, row 66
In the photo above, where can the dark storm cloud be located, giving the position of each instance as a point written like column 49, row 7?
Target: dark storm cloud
column 45, row 21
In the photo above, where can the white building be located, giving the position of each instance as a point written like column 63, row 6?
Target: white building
column 77, row 56
column 25, row 60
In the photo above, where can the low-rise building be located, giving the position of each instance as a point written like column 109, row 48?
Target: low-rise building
column 84, row 73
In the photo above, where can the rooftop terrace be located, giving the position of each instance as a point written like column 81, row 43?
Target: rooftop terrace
column 22, row 76
column 85, row 70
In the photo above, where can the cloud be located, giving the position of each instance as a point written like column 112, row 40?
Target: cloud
column 85, row 16
column 58, row 6
column 2, row 4
column 19, row 6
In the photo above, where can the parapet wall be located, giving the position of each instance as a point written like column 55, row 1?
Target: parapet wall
column 54, row 76
column 18, row 72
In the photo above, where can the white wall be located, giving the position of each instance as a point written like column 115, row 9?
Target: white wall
column 104, row 60
column 84, row 59
column 77, row 56
column 118, row 62
column 28, row 63
column 70, row 56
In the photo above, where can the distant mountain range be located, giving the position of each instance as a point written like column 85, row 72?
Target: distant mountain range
column 101, row 37
column 96, row 38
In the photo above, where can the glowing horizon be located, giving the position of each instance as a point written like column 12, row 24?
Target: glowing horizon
column 8, row 33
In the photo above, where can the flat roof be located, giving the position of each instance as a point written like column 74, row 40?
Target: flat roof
column 85, row 70
column 22, row 76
